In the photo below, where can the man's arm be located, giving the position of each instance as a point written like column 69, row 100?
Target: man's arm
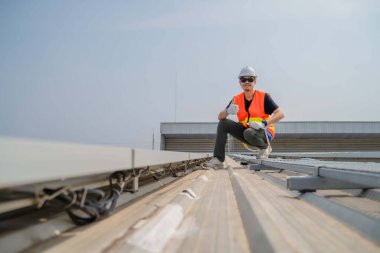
column 223, row 114
column 278, row 115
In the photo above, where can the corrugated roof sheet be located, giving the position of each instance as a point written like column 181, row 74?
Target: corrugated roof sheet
column 231, row 210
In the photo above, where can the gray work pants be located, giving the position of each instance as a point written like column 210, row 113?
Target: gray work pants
column 249, row 136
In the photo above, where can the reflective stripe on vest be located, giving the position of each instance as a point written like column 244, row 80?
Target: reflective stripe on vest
column 255, row 112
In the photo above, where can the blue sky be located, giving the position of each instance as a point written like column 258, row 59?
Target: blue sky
column 105, row 72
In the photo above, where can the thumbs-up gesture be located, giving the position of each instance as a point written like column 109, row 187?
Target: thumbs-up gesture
column 233, row 109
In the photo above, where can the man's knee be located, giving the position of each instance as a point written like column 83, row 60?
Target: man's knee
column 250, row 133
column 254, row 137
column 223, row 123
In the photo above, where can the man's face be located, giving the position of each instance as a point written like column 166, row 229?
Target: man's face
column 247, row 82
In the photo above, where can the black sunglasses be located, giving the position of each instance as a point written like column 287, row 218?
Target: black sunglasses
column 249, row 79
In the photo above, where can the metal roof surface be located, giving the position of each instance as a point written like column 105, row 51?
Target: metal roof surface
column 234, row 210
column 268, row 206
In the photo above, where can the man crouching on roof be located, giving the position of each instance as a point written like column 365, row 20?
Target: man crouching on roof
column 256, row 112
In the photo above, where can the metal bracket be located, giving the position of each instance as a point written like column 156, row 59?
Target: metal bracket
column 135, row 180
column 259, row 167
column 312, row 183
column 135, row 184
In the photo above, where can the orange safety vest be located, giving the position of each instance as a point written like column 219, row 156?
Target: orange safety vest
column 255, row 112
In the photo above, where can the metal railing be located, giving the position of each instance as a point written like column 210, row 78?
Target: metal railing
column 29, row 161
column 322, row 174
column 89, row 178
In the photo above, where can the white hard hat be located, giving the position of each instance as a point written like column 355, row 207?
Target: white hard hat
column 247, row 71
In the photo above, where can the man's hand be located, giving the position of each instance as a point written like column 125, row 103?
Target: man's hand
column 232, row 109
column 258, row 125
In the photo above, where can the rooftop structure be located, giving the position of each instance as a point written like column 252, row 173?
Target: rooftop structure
column 290, row 136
